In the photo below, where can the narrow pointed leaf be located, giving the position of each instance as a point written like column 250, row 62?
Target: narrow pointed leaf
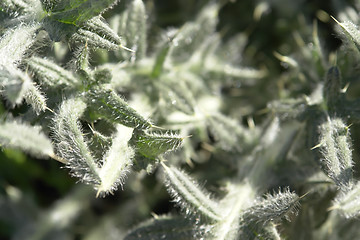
column 335, row 147
column 230, row 134
column 273, row 207
column 348, row 203
column 167, row 227
column 15, row 42
column 15, row 84
column 352, row 32
column 70, row 142
column 28, row 138
column 176, row 94
column 106, row 104
column 136, row 28
column 160, row 60
column 35, row 98
column 152, row 144
column 51, row 74
column 76, row 12
column 117, row 161
column 189, row 195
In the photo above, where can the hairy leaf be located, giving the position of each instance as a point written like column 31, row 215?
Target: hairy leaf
column 152, row 144
column 335, row 147
column 28, row 138
column 51, row 74
column 77, row 12
column 116, row 162
column 70, row 142
column 106, row 104
column 189, row 196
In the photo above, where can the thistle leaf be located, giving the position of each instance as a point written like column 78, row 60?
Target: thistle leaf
column 351, row 32
column 229, row 134
column 152, row 144
column 16, row 8
column 136, row 28
column 15, row 84
column 335, row 147
column 192, row 35
column 93, row 40
column 332, row 88
column 167, row 227
column 76, row 12
column 105, row 103
column 96, row 33
column 15, row 42
column 116, row 162
column 273, row 207
column 189, row 196
column 35, row 98
column 160, row 60
column 348, row 203
column 51, row 74
column 100, row 27
column 70, row 142
column 176, row 94
column 29, row 139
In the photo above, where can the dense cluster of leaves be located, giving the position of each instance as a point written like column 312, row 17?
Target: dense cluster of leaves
column 106, row 99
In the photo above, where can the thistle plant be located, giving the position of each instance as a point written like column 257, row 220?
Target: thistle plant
column 131, row 111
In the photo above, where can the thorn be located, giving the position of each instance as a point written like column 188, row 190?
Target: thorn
column 57, row 158
column 190, row 163
column 345, row 88
column 157, row 127
column 305, row 194
column 125, row 48
column 98, row 193
column 332, row 208
column 286, row 59
column 250, row 122
column 155, row 216
column 189, row 136
column 316, row 146
column 207, row 147
column 336, row 20
column 49, row 109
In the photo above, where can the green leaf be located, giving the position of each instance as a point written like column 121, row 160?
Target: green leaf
column 189, row 196
column 29, row 139
column 348, row 203
column 160, row 60
column 76, row 12
column 152, row 144
column 116, row 162
column 167, row 227
column 273, row 207
column 35, row 98
column 352, row 33
column 332, row 89
column 15, row 84
column 335, row 147
column 136, row 28
column 230, row 134
column 20, row 7
column 51, row 74
column 97, row 34
column 106, row 104
column 15, row 42
column 192, row 35
column 70, row 142
column 175, row 94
